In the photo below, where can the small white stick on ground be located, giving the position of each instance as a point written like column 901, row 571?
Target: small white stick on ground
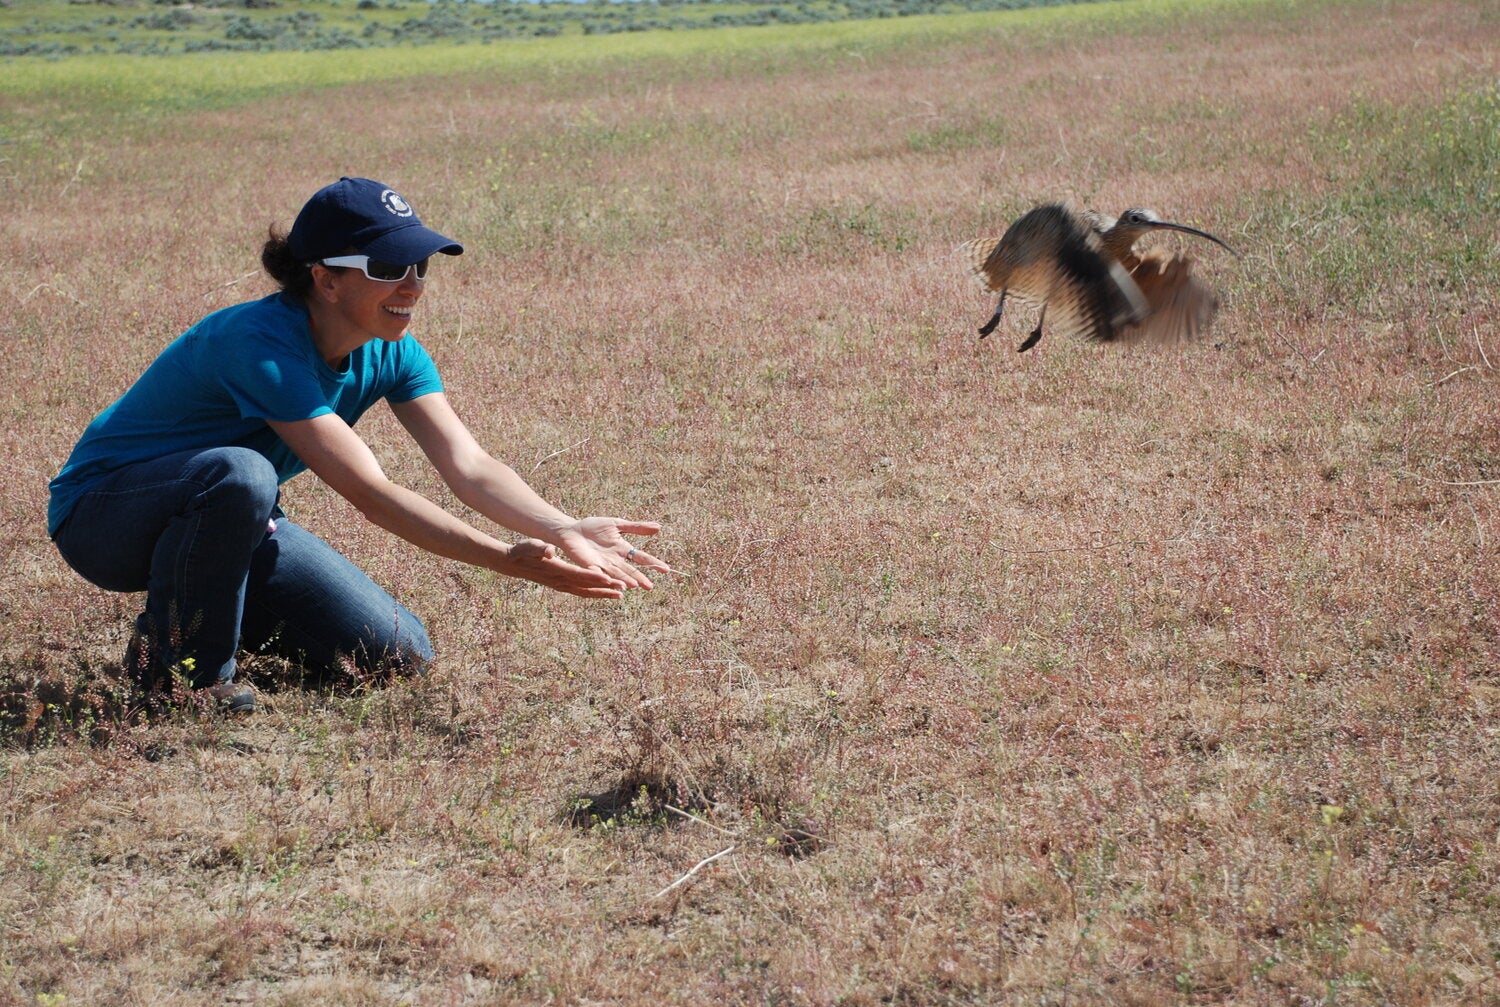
column 696, row 868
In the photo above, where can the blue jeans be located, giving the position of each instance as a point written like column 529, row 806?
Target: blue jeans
column 192, row 531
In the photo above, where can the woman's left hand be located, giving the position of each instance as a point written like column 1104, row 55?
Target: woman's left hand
column 600, row 542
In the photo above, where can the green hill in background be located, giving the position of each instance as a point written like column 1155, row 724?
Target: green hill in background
column 48, row 28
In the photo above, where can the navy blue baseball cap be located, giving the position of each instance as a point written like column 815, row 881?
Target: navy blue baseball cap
column 370, row 218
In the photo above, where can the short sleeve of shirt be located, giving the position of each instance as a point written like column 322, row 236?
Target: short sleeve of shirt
column 416, row 374
column 274, row 373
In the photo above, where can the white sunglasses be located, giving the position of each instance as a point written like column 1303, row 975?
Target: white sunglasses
column 385, row 272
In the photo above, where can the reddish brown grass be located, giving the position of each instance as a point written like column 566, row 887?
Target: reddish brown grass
column 1078, row 677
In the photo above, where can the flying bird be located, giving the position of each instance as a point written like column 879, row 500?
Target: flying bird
column 1054, row 257
column 1179, row 305
column 1081, row 268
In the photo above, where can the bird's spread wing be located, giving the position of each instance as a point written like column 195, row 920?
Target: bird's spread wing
column 1052, row 256
column 1093, row 299
column 1017, row 261
column 1180, row 307
column 978, row 256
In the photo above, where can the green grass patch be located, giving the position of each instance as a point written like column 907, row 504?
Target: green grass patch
column 1438, row 188
column 1416, row 216
column 99, row 85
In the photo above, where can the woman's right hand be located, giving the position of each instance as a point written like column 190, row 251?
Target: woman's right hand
column 535, row 560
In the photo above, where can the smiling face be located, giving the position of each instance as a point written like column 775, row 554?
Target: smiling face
column 349, row 309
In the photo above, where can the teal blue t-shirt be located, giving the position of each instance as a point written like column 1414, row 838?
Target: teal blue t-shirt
column 218, row 383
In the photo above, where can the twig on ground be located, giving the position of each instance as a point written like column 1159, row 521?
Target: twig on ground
column 696, row 868
column 1093, row 545
column 560, row 451
column 1449, row 482
column 1297, row 349
column 231, row 283
column 1478, row 527
column 77, row 174
column 56, row 290
column 700, row 821
column 1453, row 374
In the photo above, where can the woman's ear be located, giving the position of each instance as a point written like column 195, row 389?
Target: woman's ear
column 324, row 283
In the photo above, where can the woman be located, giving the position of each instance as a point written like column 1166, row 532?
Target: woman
column 173, row 489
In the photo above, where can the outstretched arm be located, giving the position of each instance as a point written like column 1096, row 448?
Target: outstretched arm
column 493, row 489
column 333, row 451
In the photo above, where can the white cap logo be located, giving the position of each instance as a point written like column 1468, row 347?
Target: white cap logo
column 393, row 202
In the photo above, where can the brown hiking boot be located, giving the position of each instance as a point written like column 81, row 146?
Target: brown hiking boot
column 231, row 697
column 159, row 689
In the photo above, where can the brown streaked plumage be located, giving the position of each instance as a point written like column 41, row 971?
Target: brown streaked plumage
column 1180, row 306
column 1054, row 257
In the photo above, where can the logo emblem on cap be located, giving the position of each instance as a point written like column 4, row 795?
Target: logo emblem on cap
column 393, row 202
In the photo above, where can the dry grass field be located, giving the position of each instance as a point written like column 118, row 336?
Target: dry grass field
column 1083, row 676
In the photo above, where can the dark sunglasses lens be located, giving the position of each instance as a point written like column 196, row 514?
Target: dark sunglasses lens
column 378, row 270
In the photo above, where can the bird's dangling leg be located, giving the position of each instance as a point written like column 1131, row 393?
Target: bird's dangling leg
column 989, row 326
column 1036, row 333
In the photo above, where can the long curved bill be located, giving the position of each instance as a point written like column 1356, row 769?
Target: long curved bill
column 1167, row 225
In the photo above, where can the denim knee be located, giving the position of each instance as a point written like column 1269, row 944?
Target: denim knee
column 117, row 530
column 238, row 478
column 406, row 648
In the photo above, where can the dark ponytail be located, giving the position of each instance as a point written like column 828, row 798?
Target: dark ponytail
column 278, row 261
